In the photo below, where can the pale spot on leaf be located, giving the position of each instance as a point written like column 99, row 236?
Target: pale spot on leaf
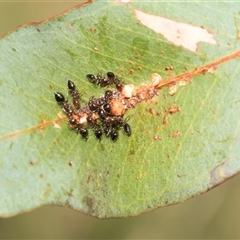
column 123, row 1
column 156, row 78
column 56, row 125
column 180, row 34
column 221, row 172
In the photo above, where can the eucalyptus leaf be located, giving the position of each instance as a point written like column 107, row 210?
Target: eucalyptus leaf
column 181, row 145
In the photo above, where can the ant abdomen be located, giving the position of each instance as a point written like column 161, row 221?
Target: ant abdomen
column 114, row 135
column 127, row 129
column 84, row 133
column 59, row 97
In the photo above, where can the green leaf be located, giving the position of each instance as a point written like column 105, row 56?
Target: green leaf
column 169, row 157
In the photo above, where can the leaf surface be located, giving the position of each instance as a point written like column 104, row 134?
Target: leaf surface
column 169, row 157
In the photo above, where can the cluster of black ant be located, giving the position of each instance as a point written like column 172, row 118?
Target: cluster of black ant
column 104, row 115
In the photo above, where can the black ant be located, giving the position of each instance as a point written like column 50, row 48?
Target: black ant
column 114, row 135
column 108, row 95
column 99, row 114
column 84, row 133
column 95, row 103
column 98, row 133
column 74, row 94
column 98, row 80
column 127, row 129
column 93, row 122
column 66, row 107
column 113, row 123
column 104, row 81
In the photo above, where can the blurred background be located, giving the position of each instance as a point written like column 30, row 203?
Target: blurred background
column 215, row 214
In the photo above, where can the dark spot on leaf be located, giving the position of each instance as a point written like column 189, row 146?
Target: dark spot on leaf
column 156, row 137
column 92, row 29
column 89, row 178
column 165, row 120
column 170, row 68
column 173, row 109
column 70, row 27
column 131, row 151
column 151, row 111
column 70, row 193
column 71, row 54
column 89, row 201
column 175, row 134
